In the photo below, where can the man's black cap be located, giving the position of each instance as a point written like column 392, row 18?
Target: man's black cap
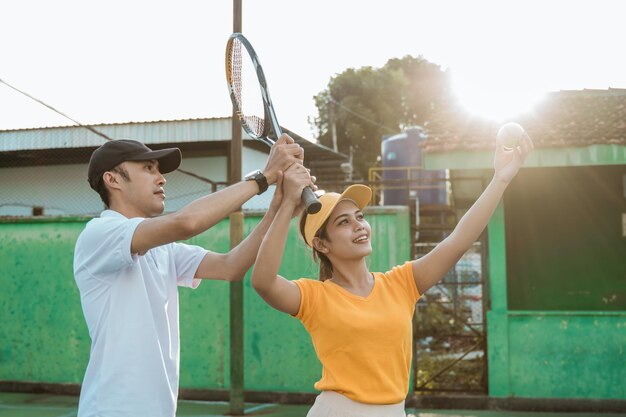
column 115, row 152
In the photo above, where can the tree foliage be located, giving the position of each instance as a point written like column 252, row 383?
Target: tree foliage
column 369, row 103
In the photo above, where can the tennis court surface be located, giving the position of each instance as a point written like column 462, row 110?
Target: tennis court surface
column 46, row 405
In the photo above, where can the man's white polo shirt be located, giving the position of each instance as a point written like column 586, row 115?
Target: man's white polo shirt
column 130, row 303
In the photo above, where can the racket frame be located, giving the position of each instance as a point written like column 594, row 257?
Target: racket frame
column 310, row 199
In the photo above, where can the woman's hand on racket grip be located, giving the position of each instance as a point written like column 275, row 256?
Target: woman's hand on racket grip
column 277, row 199
column 295, row 179
column 284, row 153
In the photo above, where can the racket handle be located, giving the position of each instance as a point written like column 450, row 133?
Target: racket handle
column 311, row 203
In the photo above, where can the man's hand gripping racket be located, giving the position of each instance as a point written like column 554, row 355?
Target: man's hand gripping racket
column 250, row 97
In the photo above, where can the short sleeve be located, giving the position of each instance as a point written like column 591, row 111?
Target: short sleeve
column 187, row 259
column 309, row 290
column 403, row 275
column 104, row 246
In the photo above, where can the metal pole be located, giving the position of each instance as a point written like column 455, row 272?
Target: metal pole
column 236, row 236
column 333, row 125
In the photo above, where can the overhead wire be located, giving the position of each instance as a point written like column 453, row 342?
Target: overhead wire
column 360, row 116
column 91, row 129
column 199, row 177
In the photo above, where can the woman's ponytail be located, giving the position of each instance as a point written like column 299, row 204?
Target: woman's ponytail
column 326, row 267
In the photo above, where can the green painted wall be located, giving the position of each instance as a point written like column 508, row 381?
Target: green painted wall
column 540, row 157
column 556, row 258
column 538, row 354
column 42, row 332
column 564, row 242
column 44, row 336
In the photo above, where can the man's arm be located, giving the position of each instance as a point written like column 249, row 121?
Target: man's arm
column 233, row 265
column 194, row 218
column 205, row 212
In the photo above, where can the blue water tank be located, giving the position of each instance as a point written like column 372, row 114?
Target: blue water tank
column 403, row 150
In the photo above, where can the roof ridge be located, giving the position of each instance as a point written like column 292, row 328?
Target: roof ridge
column 590, row 91
column 194, row 119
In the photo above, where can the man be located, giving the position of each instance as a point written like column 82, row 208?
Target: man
column 127, row 268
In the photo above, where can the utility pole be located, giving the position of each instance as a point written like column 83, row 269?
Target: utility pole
column 236, row 236
column 331, row 120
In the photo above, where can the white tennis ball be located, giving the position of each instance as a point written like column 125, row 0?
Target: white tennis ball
column 510, row 135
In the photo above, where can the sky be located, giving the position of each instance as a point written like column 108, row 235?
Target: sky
column 122, row 61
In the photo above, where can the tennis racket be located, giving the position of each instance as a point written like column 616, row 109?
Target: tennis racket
column 248, row 92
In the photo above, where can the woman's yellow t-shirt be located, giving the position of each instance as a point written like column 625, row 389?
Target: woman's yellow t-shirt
column 364, row 343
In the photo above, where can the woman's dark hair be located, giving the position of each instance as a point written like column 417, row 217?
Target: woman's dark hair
column 326, row 267
column 104, row 191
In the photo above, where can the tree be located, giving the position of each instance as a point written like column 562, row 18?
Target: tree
column 370, row 103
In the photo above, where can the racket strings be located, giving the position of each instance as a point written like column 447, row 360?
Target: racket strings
column 254, row 123
column 235, row 71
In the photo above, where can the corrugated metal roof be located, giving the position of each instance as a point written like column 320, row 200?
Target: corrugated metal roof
column 41, row 146
column 159, row 132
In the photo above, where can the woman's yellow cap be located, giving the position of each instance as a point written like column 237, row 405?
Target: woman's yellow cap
column 360, row 194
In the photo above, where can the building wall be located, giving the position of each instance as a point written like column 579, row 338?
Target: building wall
column 566, row 247
column 63, row 190
column 549, row 354
column 45, row 339
column 540, row 157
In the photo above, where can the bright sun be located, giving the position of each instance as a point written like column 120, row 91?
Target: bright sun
column 495, row 100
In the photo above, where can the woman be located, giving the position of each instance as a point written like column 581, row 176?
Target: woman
column 359, row 321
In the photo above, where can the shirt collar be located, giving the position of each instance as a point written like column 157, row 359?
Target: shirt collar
column 112, row 213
